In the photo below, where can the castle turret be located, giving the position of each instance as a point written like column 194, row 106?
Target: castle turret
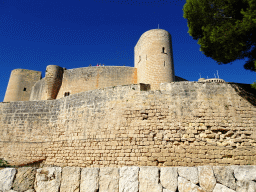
column 20, row 84
column 153, row 58
column 53, row 80
column 201, row 80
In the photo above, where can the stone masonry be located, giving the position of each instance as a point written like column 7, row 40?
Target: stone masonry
column 182, row 124
column 129, row 179
column 20, row 84
column 153, row 64
column 153, row 58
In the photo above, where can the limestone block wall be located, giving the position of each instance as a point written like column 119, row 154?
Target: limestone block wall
column 130, row 179
column 20, row 84
column 153, row 58
column 183, row 124
column 91, row 78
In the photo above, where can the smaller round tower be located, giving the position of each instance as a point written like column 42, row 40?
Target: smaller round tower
column 53, row 80
column 20, row 84
column 153, row 58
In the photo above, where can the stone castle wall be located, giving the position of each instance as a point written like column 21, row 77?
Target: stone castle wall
column 91, row 78
column 130, row 179
column 183, row 124
column 20, row 84
column 153, row 58
column 84, row 79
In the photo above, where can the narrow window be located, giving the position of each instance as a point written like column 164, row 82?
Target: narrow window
column 146, row 57
column 24, row 89
column 139, row 58
column 164, row 63
column 66, row 94
column 163, row 50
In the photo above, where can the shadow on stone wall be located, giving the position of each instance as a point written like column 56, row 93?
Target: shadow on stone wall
column 245, row 91
column 37, row 164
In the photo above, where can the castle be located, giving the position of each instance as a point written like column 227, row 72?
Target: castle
column 115, row 116
column 153, row 64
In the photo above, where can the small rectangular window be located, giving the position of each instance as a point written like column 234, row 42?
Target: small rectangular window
column 66, row 94
column 164, row 63
column 24, row 89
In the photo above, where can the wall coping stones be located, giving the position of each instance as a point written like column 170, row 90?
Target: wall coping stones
column 130, row 179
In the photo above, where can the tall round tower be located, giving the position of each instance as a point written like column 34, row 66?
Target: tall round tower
column 153, row 58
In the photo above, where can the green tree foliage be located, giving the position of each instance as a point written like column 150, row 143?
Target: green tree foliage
column 225, row 29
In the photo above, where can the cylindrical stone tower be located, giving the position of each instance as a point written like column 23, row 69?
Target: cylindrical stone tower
column 53, row 80
column 20, row 84
column 153, row 58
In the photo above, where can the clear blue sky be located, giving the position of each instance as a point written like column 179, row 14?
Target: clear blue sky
column 76, row 33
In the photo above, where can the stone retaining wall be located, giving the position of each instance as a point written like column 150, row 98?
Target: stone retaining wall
column 129, row 179
column 182, row 124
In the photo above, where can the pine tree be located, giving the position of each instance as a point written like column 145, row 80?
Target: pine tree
column 225, row 29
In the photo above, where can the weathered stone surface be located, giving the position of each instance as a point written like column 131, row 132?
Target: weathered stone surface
column 245, row 173
column 24, row 179
column 225, row 176
column 246, row 186
column 169, row 178
column 222, row 188
column 109, row 178
column 48, row 179
column 206, row 178
column 70, row 179
column 129, row 179
column 189, row 173
column 186, row 186
column 149, row 179
column 167, row 190
column 89, row 180
column 6, row 178
column 30, row 190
